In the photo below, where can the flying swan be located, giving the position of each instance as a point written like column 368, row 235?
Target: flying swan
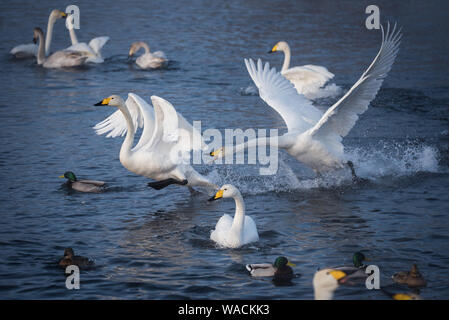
column 30, row 50
column 166, row 140
column 148, row 60
column 59, row 59
column 308, row 79
column 234, row 233
column 314, row 138
column 93, row 49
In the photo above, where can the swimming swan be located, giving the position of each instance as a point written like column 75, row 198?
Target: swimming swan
column 93, row 49
column 148, row 60
column 308, row 79
column 59, row 59
column 30, row 50
column 325, row 282
column 233, row 233
column 163, row 150
column 314, row 138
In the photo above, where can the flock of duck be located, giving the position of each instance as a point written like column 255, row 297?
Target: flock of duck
column 313, row 138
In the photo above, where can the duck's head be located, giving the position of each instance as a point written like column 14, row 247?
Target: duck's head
column 328, row 280
column 113, row 100
column 226, row 191
column 280, row 46
column 68, row 253
column 69, row 175
column 414, row 271
column 282, row 262
column 358, row 259
column 57, row 14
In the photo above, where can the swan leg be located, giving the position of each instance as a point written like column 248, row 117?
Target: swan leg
column 351, row 166
column 158, row 185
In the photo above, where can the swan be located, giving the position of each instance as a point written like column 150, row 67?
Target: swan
column 314, row 138
column 325, row 282
column 59, row 59
column 30, row 50
column 82, row 185
column 233, row 233
column 166, row 141
column 279, row 270
column 148, row 60
column 309, row 79
column 93, row 49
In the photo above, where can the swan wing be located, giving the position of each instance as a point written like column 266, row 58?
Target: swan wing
column 298, row 113
column 115, row 125
column 339, row 119
column 308, row 76
column 97, row 43
column 159, row 54
column 65, row 58
column 25, row 50
column 250, row 233
column 81, row 47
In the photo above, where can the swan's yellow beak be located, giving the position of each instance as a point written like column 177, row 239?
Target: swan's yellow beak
column 337, row 274
column 217, row 196
column 131, row 52
column 274, row 49
column 63, row 14
column 103, row 102
column 291, row 264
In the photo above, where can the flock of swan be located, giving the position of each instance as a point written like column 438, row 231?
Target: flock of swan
column 313, row 138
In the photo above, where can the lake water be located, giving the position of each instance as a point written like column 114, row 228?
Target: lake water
column 155, row 244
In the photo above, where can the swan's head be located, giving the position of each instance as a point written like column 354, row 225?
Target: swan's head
column 69, row 175
column 281, row 262
column 226, row 191
column 326, row 281
column 57, row 14
column 113, row 100
column 135, row 46
column 217, row 153
column 37, row 32
column 280, row 46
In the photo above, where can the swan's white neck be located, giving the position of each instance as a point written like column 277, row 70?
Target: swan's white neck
column 69, row 24
column 323, row 294
column 51, row 22
column 239, row 218
column 287, row 55
column 125, row 150
column 145, row 46
column 41, row 50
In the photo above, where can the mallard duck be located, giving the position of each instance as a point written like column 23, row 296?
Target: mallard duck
column 280, row 269
column 412, row 278
column 70, row 259
column 326, row 281
column 83, row 185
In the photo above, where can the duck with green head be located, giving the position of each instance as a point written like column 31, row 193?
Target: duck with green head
column 280, row 269
column 83, row 185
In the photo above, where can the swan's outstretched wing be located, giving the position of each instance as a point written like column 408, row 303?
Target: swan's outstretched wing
column 341, row 117
column 115, row 124
column 166, row 124
column 298, row 113
column 97, row 43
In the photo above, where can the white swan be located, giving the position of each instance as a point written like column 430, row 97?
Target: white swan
column 162, row 152
column 314, row 138
column 308, row 80
column 93, row 49
column 148, row 60
column 30, row 50
column 59, row 59
column 233, row 233
column 325, row 282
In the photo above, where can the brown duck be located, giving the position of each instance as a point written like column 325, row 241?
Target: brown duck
column 70, row 259
column 412, row 278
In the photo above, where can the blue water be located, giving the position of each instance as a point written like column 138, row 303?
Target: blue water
column 155, row 244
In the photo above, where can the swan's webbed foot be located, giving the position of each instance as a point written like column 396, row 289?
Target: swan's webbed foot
column 158, row 185
column 351, row 166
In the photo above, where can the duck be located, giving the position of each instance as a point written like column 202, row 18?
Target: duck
column 30, row 50
column 59, row 59
column 233, row 232
column 326, row 281
column 308, row 80
column 315, row 138
column 83, row 185
column 279, row 270
column 357, row 259
column 412, row 278
column 70, row 259
column 148, row 60
column 402, row 295
column 163, row 150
